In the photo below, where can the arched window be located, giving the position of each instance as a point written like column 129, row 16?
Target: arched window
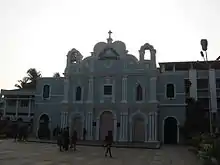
column 78, row 93
column 46, row 91
column 170, row 91
column 139, row 93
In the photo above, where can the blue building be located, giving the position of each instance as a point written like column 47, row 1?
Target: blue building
column 112, row 90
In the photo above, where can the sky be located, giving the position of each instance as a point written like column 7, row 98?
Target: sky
column 39, row 33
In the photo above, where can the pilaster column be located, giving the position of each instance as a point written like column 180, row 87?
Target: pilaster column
column 101, row 92
column 193, row 80
column 121, row 135
column 29, row 107
column 66, row 119
column 152, row 126
column 66, row 89
column 61, row 119
column 153, row 89
column 124, row 89
column 89, row 125
column 150, row 138
column 90, row 93
column 212, row 90
column 113, row 92
column 97, row 129
column 156, row 125
column 17, row 104
column 115, row 130
column 123, row 127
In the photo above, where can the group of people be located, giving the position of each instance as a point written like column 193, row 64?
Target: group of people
column 21, row 132
column 66, row 142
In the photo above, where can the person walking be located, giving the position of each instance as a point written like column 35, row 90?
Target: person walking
column 66, row 139
column 15, row 131
column 109, row 141
column 59, row 141
column 74, row 140
column 84, row 134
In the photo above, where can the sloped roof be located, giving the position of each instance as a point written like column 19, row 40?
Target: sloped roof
column 18, row 92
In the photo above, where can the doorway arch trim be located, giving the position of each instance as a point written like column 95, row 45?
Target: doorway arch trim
column 38, row 123
column 178, row 124
column 131, row 124
column 72, row 116
column 98, row 124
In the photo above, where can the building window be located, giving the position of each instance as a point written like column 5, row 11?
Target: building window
column 218, row 83
column 202, row 83
column 46, row 91
column 218, row 103
column 24, row 103
column 170, row 91
column 78, row 94
column 139, row 93
column 107, row 90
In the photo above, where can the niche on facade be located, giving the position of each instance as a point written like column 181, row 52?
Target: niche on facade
column 139, row 93
column 78, row 93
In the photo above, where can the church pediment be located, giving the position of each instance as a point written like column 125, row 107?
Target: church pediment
column 109, row 53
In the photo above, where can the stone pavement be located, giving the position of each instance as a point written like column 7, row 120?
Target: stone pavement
column 48, row 154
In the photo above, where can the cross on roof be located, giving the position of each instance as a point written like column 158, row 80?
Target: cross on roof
column 109, row 33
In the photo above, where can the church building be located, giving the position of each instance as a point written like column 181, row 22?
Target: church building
column 110, row 90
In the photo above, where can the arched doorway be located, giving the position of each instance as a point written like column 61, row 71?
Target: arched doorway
column 77, row 125
column 138, row 128
column 44, row 131
column 170, row 130
column 106, row 124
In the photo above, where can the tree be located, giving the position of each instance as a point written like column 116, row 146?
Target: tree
column 22, row 83
column 56, row 75
column 33, row 75
column 30, row 80
column 195, row 116
column 196, row 119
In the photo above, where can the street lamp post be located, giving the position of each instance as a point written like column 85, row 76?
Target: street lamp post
column 204, row 44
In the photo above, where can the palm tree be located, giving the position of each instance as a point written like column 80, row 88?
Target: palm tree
column 33, row 74
column 22, row 83
column 30, row 80
column 56, row 75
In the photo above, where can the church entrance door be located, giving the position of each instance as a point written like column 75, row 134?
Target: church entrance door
column 138, row 129
column 106, row 124
column 44, row 131
column 77, row 126
column 170, row 130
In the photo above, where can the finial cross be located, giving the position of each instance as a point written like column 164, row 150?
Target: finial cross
column 109, row 33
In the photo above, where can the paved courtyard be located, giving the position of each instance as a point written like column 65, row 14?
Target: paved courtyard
column 47, row 154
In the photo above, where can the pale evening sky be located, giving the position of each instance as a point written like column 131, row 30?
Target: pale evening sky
column 39, row 33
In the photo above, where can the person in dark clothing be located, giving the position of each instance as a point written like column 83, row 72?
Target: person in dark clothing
column 66, row 139
column 84, row 134
column 59, row 140
column 15, row 131
column 108, row 141
column 74, row 140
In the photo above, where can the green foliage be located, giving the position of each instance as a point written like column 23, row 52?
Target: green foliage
column 29, row 82
column 56, row 75
column 194, row 110
column 208, row 148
